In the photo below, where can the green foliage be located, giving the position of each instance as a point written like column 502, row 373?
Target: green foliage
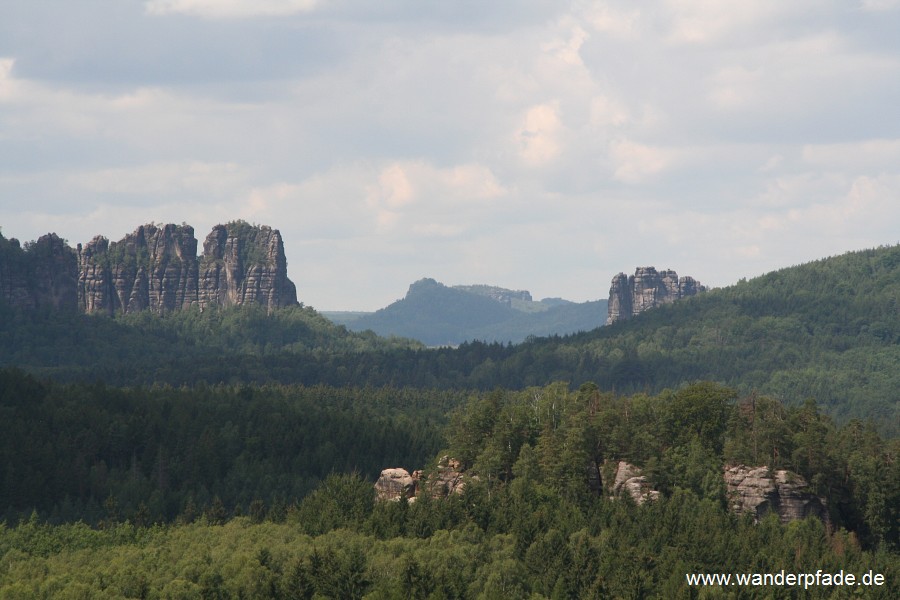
column 91, row 452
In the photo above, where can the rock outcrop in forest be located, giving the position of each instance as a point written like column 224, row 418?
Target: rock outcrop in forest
column 446, row 479
column 154, row 268
column 758, row 491
column 648, row 288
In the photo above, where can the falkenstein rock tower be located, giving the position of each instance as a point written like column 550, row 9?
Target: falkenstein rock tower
column 155, row 268
column 630, row 295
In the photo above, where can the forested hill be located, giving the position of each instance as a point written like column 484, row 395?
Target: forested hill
column 439, row 315
column 827, row 330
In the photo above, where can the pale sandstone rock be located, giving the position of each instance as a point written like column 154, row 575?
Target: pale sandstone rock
column 394, row 484
column 758, row 491
column 628, row 480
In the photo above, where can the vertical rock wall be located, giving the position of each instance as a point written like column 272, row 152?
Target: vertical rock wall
column 154, row 268
column 648, row 288
column 245, row 265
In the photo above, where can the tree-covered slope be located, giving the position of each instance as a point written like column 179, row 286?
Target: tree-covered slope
column 828, row 330
column 531, row 525
column 439, row 315
column 435, row 314
column 147, row 348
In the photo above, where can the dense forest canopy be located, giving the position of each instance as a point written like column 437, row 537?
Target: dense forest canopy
column 827, row 330
column 232, row 453
column 527, row 524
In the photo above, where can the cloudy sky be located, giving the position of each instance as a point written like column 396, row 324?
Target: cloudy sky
column 539, row 144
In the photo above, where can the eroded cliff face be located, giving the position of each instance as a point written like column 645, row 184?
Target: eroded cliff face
column 154, row 268
column 242, row 264
column 758, row 491
column 43, row 274
column 647, row 288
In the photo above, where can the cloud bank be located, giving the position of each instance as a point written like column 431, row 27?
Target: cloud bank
column 537, row 145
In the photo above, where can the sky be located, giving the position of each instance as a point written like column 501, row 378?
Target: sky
column 539, row 145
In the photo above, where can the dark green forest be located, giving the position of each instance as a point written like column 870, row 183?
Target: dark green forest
column 527, row 524
column 232, row 453
column 827, row 330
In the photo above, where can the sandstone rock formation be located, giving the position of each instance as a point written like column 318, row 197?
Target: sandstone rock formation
column 448, row 478
column 244, row 265
column 156, row 268
column 758, row 491
column 43, row 274
column 628, row 480
column 647, row 288
column 394, row 484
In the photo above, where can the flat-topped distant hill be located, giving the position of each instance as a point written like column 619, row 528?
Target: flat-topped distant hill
column 440, row 315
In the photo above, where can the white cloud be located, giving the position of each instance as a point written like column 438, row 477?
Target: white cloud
column 223, row 9
column 606, row 112
column 394, row 189
column 539, row 134
column 412, row 137
column 567, row 51
column 622, row 23
column 7, row 83
column 861, row 155
column 708, row 21
column 164, row 179
column 635, row 163
column 422, row 197
column 880, row 5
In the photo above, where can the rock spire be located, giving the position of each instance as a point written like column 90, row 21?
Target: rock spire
column 629, row 296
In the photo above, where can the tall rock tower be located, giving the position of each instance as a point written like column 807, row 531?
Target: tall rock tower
column 156, row 268
column 647, row 288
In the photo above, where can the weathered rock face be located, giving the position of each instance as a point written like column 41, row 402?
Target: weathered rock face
column 447, row 479
column 394, row 484
column 156, row 268
column 43, row 274
column 758, row 491
column 647, row 288
column 629, row 481
column 245, row 265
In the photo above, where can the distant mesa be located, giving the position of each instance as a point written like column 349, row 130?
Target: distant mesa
column 440, row 315
column 648, row 288
column 155, row 268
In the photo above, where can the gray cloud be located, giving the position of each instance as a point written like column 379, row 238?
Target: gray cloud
column 538, row 145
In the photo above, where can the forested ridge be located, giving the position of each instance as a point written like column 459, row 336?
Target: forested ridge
column 527, row 525
column 232, row 453
column 827, row 330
